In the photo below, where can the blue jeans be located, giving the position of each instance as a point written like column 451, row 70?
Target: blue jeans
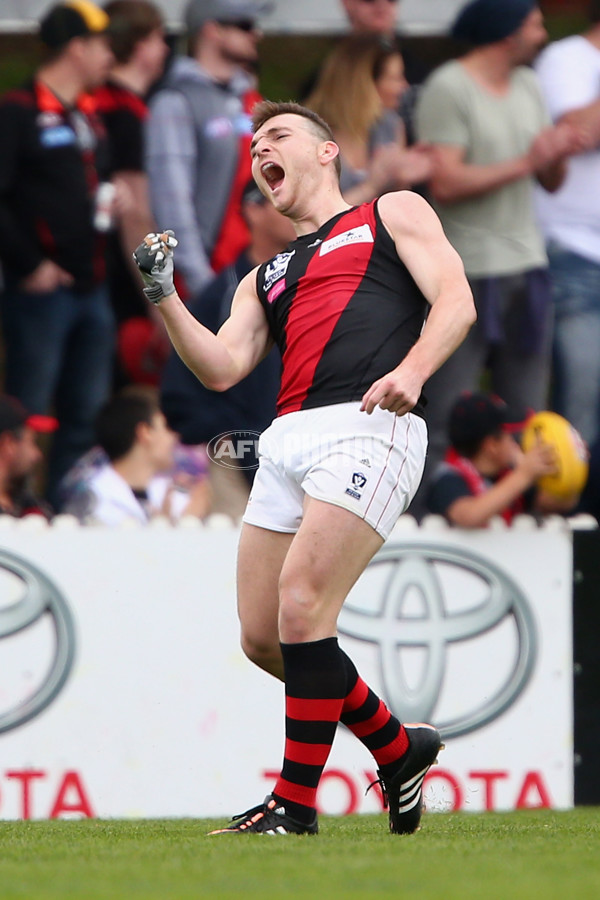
column 576, row 297
column 59, row 349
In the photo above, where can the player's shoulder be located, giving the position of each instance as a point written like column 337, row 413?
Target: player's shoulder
column 405, row 210
column 247, row 286
column 249, row 278
column 447, row 72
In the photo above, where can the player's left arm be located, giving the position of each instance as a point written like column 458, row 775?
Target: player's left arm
column 439, row 273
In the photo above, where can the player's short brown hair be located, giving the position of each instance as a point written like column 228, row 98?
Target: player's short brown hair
column 268, row 109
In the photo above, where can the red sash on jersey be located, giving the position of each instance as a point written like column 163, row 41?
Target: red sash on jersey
column 234, row 235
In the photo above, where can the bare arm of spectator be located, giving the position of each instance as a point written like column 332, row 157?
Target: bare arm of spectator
column 454, row 179
column 586, row 120
column 476, row 511
column 549, row 152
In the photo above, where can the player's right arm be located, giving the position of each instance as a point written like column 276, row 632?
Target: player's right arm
column 218, row 361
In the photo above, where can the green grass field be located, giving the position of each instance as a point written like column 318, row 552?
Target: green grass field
column 526, row 855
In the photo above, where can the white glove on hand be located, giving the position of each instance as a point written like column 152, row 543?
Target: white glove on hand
column 154, row 259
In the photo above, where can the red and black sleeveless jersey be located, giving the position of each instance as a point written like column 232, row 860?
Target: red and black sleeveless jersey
column 343, row 309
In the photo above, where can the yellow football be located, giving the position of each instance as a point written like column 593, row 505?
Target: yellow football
column 571, row 453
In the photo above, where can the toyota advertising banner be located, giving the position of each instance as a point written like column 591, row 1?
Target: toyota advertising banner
column 123, row 691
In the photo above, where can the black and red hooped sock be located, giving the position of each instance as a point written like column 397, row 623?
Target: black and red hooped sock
column 315, row 687
column 369, row 719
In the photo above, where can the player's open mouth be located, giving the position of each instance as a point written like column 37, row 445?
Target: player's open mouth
column 273, row 174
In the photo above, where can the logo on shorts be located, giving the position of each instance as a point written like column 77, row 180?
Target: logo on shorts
column 356, row 486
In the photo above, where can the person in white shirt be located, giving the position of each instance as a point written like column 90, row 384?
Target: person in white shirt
column 134, row 482
column 569, row 72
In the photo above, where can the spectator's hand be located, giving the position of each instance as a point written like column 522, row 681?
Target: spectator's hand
column 416, row 164
column 46, row 278
column 154, row 259
column 124, row 201
column 554, row 144
column 385, row 169
column 586, row 122
column 200, row 495
column 539, row 460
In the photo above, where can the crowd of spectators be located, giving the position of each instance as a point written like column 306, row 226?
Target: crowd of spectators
column 113, row 137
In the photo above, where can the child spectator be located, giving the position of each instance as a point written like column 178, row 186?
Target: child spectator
column 485, row 473
column 131, row 477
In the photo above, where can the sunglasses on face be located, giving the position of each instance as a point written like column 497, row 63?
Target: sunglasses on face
column 244, row 24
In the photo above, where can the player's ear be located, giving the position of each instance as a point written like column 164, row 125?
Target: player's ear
column 328, row 151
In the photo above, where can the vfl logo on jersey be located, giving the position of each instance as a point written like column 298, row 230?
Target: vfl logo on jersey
column 356, row 486
column 361, row 235
column 277, row 268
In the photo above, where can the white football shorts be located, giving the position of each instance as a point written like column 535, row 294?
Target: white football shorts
column 368, row 464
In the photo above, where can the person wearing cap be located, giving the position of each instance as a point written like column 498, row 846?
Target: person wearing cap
column 20, row 456
column 485, row 473
column 493, row 140
column 57, row 322
column 198, row 136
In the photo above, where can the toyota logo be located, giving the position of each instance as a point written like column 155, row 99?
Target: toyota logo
column 40, row 596
column 434, row 575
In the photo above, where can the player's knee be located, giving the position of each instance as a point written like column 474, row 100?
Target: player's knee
column 264, row 654
column 300, row 608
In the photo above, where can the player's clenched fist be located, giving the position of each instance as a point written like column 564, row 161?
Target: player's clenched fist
column 154, row 259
